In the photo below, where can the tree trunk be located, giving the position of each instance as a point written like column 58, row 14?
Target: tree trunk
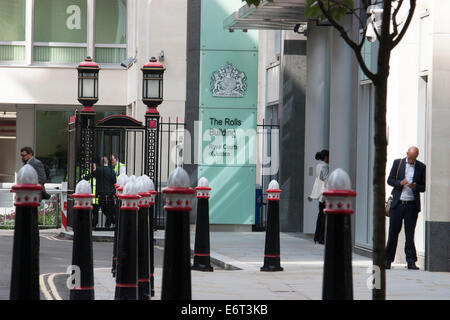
column 379, row 174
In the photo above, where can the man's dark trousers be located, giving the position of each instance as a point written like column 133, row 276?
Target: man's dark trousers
column 406, row 211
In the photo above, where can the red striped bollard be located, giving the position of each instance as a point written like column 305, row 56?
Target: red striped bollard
column 82, row 254
column 25, row 260
column 121, row 181
column 272, row 248
column 337, row 269
column 176, row 281
column 202, row 259
column 143, row 187
column 127, row 254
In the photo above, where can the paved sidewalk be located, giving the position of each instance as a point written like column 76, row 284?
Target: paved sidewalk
column 301, row 279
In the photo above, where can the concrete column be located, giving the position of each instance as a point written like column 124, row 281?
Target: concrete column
column 292, row 130
column 317, row 112
column 342, row 143
column 91, row 28
column 437, row 220
column 29, row 24
column 25, row 128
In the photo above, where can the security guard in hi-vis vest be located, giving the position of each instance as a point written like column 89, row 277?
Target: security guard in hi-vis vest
column 118, row 166
column 93, row 182
column 105, row 178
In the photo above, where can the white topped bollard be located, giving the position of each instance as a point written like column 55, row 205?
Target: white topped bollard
column 337, row 275
column 127, row 248
column 176, row 282
column 201, row 250
column 272, row 244
column 82, row 252
column 25, row 260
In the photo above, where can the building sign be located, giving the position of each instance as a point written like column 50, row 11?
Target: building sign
column 228, row 137
column 227, row 114
column 228, row 82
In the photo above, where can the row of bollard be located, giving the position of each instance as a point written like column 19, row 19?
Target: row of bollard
column 133, row 261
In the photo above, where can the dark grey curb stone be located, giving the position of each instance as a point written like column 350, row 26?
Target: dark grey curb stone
column 67, row 235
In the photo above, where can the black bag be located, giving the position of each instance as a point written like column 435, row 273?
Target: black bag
column 387, row 206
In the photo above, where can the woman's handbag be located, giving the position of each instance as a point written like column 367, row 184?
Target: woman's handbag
column 317, row 189
column 387, row 206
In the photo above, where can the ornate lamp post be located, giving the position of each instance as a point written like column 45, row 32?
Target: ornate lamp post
column 88, row 84
column 152, row 97
column 85, row 122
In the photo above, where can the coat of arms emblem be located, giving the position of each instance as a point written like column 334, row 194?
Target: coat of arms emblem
column 228, row 82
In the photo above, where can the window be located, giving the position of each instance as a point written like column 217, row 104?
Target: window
column 12, row 30
column 60, row 31
column 110, row 31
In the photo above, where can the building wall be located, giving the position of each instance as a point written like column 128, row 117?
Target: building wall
column 416, row 106
column 28, row 85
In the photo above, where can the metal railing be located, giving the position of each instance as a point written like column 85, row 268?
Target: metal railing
column 48, row 212
column 268, row 139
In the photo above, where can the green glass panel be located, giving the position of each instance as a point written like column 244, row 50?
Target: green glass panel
column 110, row 21
column 214, row 36
column 60, row 21
column 12, row 20
column 228, row 137
column 232, row 196
column 12, row 53
column 228, row 79
column 110, row 55
column 59, row 54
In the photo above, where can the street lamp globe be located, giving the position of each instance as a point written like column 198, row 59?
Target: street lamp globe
column 152, row 84
column 88, row 84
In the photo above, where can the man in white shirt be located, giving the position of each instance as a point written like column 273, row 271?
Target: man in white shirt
column 407, row 183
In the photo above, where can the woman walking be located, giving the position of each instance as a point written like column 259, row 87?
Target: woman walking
column 316, row 193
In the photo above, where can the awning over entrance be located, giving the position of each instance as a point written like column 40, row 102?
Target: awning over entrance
column 277, row 15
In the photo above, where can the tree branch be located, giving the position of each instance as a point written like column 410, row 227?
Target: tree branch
column 394, row 19
column 412, row 7
column 356, row 47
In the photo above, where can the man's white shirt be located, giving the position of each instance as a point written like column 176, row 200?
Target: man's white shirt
column 407, row 192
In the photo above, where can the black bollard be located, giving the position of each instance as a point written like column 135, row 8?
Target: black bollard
column 202, row 259
column 126, row 276
column 121, row 181
column 176, row 281
column 143, row 241
column 337, row 269
column 272, row 245
column 152, row 244
column 82, row 252
column 25, row 258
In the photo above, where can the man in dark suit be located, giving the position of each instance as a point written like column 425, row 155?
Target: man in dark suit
column 408, row 184
column 106, row 178
column 26, row 153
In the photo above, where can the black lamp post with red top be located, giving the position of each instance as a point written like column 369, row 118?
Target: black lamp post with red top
column 152, row 97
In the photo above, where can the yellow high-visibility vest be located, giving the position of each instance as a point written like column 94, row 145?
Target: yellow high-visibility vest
column 116, row 168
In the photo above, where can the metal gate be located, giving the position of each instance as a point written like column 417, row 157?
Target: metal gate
column 130, row 140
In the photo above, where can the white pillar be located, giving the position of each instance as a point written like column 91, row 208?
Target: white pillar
column 29, row 35
column 342, row 117
column 91, row 29
column 317, row 112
